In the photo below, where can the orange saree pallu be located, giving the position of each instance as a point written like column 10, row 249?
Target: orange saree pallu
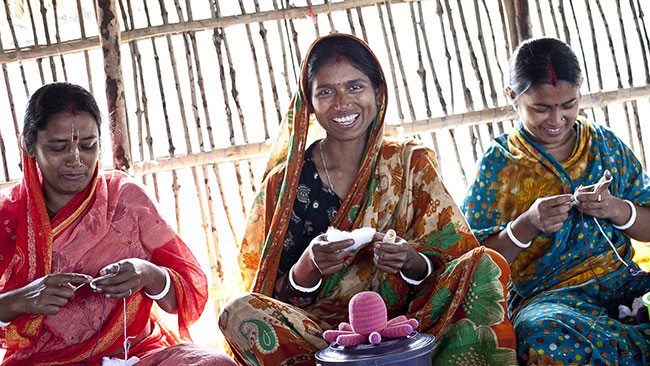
column 113, row 219
column 398, row 187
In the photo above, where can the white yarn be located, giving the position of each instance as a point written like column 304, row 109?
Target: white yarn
column 119, row 362
column 360, row 236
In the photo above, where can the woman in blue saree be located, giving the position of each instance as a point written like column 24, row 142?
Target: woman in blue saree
column 560, row 198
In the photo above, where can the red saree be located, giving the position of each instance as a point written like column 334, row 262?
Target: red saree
column 111, row 220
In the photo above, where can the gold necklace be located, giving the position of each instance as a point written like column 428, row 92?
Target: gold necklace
column 327, row 173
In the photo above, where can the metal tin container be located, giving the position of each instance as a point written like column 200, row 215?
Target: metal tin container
column 413, row 350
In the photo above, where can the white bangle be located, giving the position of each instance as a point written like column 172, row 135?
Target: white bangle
column 300, row 288
column 514, row 239
column 632, row 219
column 3, row 324
column 417, row 282
column 164, row 292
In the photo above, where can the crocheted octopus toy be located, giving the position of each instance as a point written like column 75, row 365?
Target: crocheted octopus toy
column 368, row 322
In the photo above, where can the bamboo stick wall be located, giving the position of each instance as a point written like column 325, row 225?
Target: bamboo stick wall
column 206, row 83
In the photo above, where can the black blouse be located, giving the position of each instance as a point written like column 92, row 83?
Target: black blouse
column 313, row 210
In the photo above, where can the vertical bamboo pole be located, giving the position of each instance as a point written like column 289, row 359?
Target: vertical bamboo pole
column 257, row 74
column 348, row 12
column 220, row 38
column 16, row 46
column 555, row 24
column 362, row 25
column 83, row 36
column 469, row 103
column 145, row 106
column 633, row 104
column 501, row 79
column 504, row 26
column 392, row 65
column 170, row 141
column 109, row 35
column 57, row 37
column 512, row 22
column 214, row 252
column 284, row 53
column 422, row 72
column 539, row 15
column 315, row 20
column 599, row 71
column 269, row 63
column 10, row 98
column 522, row 16
column 47, row 37
column 215, row 167
column 474, row 62
column 3, row 151
column 39, row 61
column 582, row 51
column 398, row 55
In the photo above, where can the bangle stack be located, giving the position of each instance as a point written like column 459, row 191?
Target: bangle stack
column 165, row 290
column 514, row 239
column 632, row 219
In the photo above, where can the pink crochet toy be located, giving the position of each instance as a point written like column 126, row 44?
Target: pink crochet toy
column 368, row 322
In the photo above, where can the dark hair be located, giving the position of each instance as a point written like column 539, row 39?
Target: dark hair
column 543, row 61
column 54, row 98
column 336, row 47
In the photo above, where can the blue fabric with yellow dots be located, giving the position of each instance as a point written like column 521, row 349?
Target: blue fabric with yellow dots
column 566, row 287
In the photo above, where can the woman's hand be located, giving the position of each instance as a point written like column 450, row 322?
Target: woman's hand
column 596, row 200
column 44, row 296
column 547, row 214
column 398, row 256
column 321, row 258
column 327, row 256
column 126, row 277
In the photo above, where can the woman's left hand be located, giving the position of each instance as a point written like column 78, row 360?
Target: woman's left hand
column 398, row 256
column 124, row 278
column 596, row 200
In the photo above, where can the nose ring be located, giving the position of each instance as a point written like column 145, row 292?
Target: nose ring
column 564, row 118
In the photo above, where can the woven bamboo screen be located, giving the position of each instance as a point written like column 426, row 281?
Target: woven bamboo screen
column 206, row 84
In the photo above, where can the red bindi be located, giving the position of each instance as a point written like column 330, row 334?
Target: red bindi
column 75, row 137
column 556, row 104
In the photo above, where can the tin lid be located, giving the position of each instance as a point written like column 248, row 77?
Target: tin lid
column 386, row 352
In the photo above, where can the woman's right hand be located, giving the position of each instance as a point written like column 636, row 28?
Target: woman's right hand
column 319, row 259
column 547, row 214
column 327, row 256
column 44, row 296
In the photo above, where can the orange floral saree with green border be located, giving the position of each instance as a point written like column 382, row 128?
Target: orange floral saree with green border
column 398, row 186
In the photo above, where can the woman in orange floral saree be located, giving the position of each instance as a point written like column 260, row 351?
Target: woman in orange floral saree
column 300, row 283
column 65, row 224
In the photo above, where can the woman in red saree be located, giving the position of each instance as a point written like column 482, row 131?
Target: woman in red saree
column 83, row 252
column 301, row 283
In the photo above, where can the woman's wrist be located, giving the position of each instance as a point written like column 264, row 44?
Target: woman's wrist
column 7, row 313
column 429, row 269
column 516, row 239
column 165, row 290
column 630, row 214
column 305, row 275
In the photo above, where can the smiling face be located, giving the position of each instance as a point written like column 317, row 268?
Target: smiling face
column 66, row 151
column 344, row 101
column 548, row 113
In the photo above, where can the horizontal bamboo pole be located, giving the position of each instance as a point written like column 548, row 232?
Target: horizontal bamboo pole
column 500, row 114
column 79, row 45
column 262, row 149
